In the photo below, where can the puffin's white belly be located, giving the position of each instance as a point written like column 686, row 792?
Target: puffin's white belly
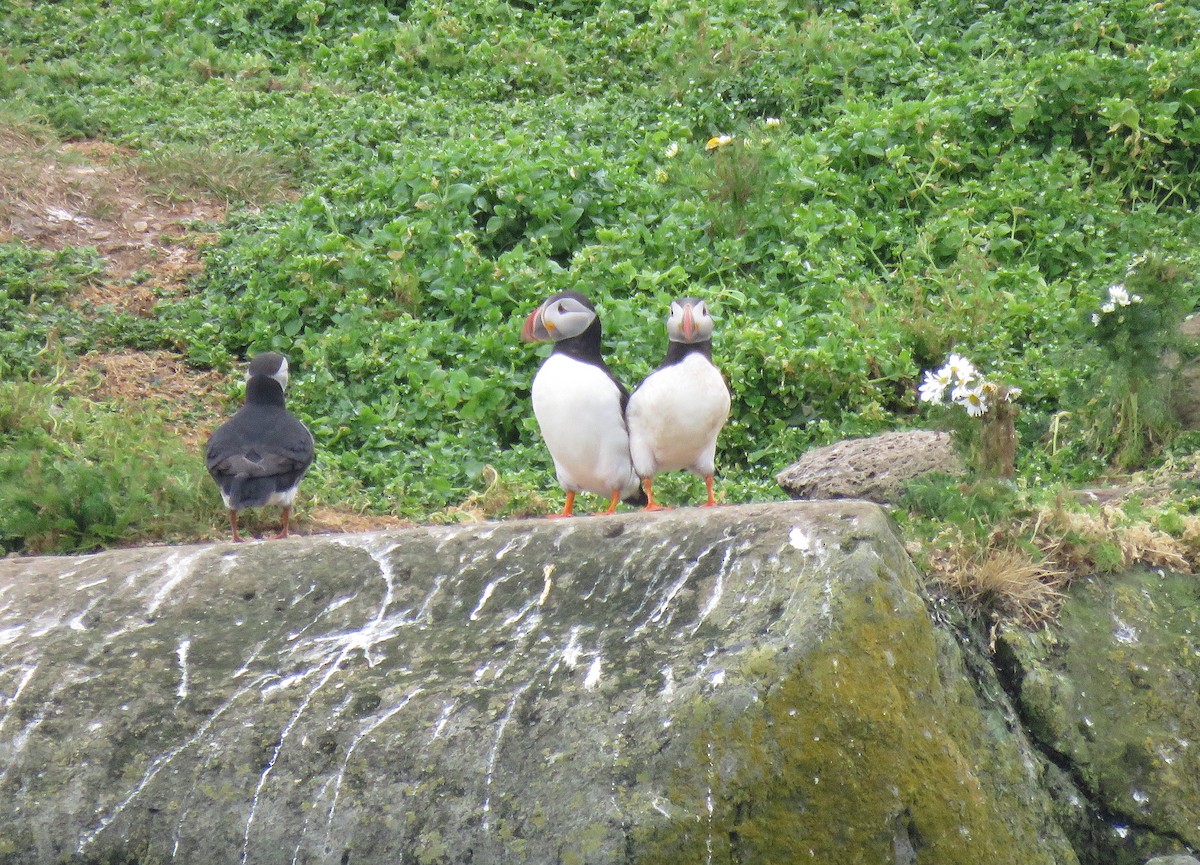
column 675, row 416
column 578, row 408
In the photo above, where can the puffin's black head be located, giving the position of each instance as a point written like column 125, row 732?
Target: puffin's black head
column 562, row 316
column 271, row 364
column 689, row 321
column 267, row 378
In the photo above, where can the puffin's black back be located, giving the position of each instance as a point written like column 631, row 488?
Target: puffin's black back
column 261, row 450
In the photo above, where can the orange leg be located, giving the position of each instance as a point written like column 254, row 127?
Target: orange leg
column 612, row 505
column 651, row 505
column 237, row 539
column 568, row 511
column 287, row 515
column 712, row 499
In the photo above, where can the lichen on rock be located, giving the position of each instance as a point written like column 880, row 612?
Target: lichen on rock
column 753, row 683
column 1104, row 693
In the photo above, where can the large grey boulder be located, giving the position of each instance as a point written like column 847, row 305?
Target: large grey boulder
column 757, row 684
column 873, row 468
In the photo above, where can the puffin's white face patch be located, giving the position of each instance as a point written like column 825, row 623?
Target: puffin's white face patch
column 282, row 375
column 566, row 317
column 689, row 321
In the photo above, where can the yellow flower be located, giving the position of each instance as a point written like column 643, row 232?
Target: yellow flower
column 718, row 141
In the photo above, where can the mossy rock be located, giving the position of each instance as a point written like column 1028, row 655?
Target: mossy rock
column 1110, row 693
column 742, row 684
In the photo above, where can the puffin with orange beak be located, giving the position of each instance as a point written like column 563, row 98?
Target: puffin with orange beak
column 579, row 404
column 676, row 413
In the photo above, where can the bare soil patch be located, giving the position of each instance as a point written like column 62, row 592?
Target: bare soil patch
column 92, row 194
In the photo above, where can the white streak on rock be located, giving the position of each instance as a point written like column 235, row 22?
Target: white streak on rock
column 10, row 701
column 668, row 688
column 714, row 597
column 422, row 615
column 708, row 801
column 518, row 544
column 304, row 826
column 366, row 731
column 76, row 621
column 157, row 765
column 181, row 652
column 800, row 539
column 592, row 679
column 265, row 775
column 483, row 598
column 178, row 568
column 494, row 753
column 663, row 607
column 572, row 651
column 340, row 647
column 443, row 719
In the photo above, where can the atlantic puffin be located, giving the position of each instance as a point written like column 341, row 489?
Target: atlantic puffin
column 676, row 413
column 259, row 455
column 579, row 404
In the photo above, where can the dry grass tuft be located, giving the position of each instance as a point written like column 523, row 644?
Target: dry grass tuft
column 1107, row 539
column 323, row 520
column 1004, row 584
column 498, row 498
column 191, row 402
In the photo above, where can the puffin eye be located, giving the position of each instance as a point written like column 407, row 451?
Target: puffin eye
column 562, row 308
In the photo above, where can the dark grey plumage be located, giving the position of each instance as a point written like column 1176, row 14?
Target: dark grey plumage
column 259, row 456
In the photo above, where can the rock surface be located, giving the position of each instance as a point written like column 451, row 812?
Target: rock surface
column 743, row 684
column 1104, row 696
column 1185, row 396
column 870, row 468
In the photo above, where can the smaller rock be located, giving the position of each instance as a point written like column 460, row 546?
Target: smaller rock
column 1179, row 859
column 870, row 468
column 1185, row 394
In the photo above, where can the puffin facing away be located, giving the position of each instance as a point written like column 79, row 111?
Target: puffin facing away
column 676, row 413
column 579, row 404
column 259, row 455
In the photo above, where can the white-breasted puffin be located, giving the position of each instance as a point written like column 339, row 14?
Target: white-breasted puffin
column 259, row 455
column 676, row 413
column 579, row 404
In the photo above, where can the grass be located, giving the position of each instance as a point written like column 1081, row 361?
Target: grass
column 251, row 177
column 383, row 194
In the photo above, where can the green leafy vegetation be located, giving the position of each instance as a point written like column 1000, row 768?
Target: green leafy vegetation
column 410, row 177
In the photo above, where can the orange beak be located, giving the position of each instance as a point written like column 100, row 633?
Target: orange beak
column 535, row 329
column 688, row 326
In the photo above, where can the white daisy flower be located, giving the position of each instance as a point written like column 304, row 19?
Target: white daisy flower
column 772, row 121
column 1013, row 393
column 672, row 150
column 1096, row 319
column 961, row 369
column 1117, row 294
column 933, row 389
column 970, row 398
